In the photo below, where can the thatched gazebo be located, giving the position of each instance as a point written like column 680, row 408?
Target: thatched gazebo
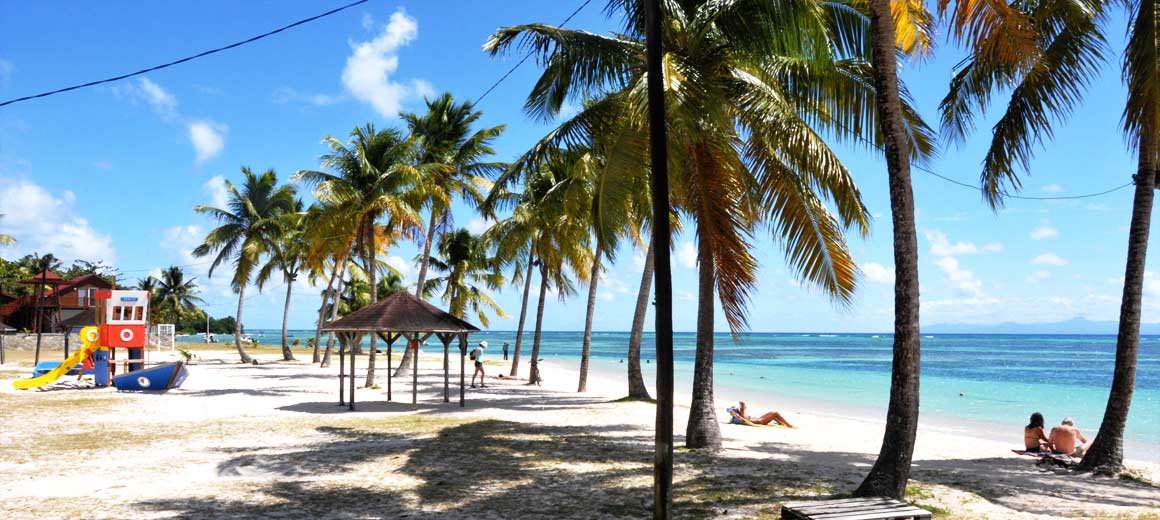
column 401, row 315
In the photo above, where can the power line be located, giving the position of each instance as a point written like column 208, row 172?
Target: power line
column 188, row 58
column 526, row 56
column 1022, row 197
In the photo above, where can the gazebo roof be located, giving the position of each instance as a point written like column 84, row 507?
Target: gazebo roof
column 401, row 312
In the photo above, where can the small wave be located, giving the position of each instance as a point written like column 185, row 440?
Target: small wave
column 929, row 337
column 827, row 335
column 875, row 336
column 805, row 335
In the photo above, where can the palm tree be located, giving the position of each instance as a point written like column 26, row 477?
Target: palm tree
column 513, row 237
column 636, row 386
column 249, row 223
column 287, row 256
column 6, row 240
column 446, row 139
column 174, row 296
column 468, row 272
column 372, row 179
column 755, row 85
column 1050, row 52
column 149, row 285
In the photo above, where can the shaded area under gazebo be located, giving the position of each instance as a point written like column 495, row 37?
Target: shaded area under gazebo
column 401, row 315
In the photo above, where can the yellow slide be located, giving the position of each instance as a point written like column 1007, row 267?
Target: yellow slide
column 89, row 338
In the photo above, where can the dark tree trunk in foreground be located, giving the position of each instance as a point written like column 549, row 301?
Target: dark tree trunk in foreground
column 703, row 430
column 891, row 471
column 659, row 189
column 587, row 348
column 238, row 327
column 370, row 259
column 1106, row 454
column 534, row 373
column 523, row 314
column 287, row 354
column 636, row 387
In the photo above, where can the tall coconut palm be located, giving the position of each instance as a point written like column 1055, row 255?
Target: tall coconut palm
column 149, row 285
column 468, row 272
column 288, row 254
column 174, row 296
column 636, row 386
column 249, row 223
column 513, row 237
column 446, row 139
column 1049, row 52
column 373, row 178
column 753, row 86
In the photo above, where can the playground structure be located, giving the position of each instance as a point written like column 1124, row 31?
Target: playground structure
column 122, row 324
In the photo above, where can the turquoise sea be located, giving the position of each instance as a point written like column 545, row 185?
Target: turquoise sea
column 1001, row 378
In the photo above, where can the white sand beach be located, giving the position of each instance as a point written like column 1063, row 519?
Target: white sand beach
column 241, row 441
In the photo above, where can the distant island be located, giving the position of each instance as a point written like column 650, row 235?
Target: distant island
column 1072, row 326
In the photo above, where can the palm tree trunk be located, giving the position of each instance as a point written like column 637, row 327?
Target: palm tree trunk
column 370, row 260
column 587, row 349
column 636, row 386
column 238, row 327
column 1106, row 453
column 326, row 295
column 287, row 354
column 523, row 314
column 702, row 431
column 534, row 372
column 333, row 316
column 426, row 254
column 891, row 471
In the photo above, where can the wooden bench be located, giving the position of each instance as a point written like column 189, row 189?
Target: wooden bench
column 874, row 508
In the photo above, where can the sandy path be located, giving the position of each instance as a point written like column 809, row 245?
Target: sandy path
column 242, row 441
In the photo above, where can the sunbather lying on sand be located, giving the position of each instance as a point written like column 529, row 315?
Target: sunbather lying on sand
column 509, row 378
column 738, row 417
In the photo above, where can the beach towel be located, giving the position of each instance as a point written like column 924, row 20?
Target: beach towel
column 1044, row 457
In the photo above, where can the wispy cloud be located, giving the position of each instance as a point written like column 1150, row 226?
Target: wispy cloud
column 368, row 71
column 1044, row 232
column 1048, row 259
column 207, row 138
column 1038, row 276
column 1052, row 188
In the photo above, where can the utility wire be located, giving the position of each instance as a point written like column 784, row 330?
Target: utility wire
column 188, row 58
column 526, row 56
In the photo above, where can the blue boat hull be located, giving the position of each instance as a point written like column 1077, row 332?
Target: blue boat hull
column 159, row 378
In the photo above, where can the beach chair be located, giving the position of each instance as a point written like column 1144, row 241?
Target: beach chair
column 873, row 508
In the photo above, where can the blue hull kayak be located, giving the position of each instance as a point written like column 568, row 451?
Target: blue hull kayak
column 160, row 378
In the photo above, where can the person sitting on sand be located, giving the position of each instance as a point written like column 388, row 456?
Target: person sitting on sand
column 1034, row 440
column 737, row 416
column 1064, row 439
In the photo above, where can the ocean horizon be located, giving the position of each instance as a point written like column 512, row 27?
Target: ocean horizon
column 978, row 384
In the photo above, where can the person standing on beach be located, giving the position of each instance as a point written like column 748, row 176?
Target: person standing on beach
column 477, row 357
column 505, row 351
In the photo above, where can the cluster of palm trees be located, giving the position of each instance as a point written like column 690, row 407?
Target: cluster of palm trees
column 172, row 296
column 754, row 91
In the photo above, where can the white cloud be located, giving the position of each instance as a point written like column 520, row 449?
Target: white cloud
column 401, row 265
column 687, row 255
column 638, row 260
column 207, row 138
column 1048, row 259
column 1044, row 232
column 610, row 286
column 878, row 273
column 993, row 247
column 1052, row 188
column 179, row 242
column 423, row 88
column 686, row 296
column 1038, row 276
column 963, row 280
column 216, row 189
column 368, row 21
column 284, row 95
column 367, row 75
column 43, row 223
column 161, row 101
column 940, row 245
column 478, row 225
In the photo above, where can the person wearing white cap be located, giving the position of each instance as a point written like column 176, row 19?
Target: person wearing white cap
column 477, row 357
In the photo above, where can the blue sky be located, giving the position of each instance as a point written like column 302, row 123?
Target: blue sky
column 112, row 173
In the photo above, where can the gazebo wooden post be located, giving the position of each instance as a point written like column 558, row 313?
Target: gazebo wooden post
column 446, row 339
column 341, row 369
column 415, row 373
column 390, row 344
column 462, row 357
column 350, row 339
